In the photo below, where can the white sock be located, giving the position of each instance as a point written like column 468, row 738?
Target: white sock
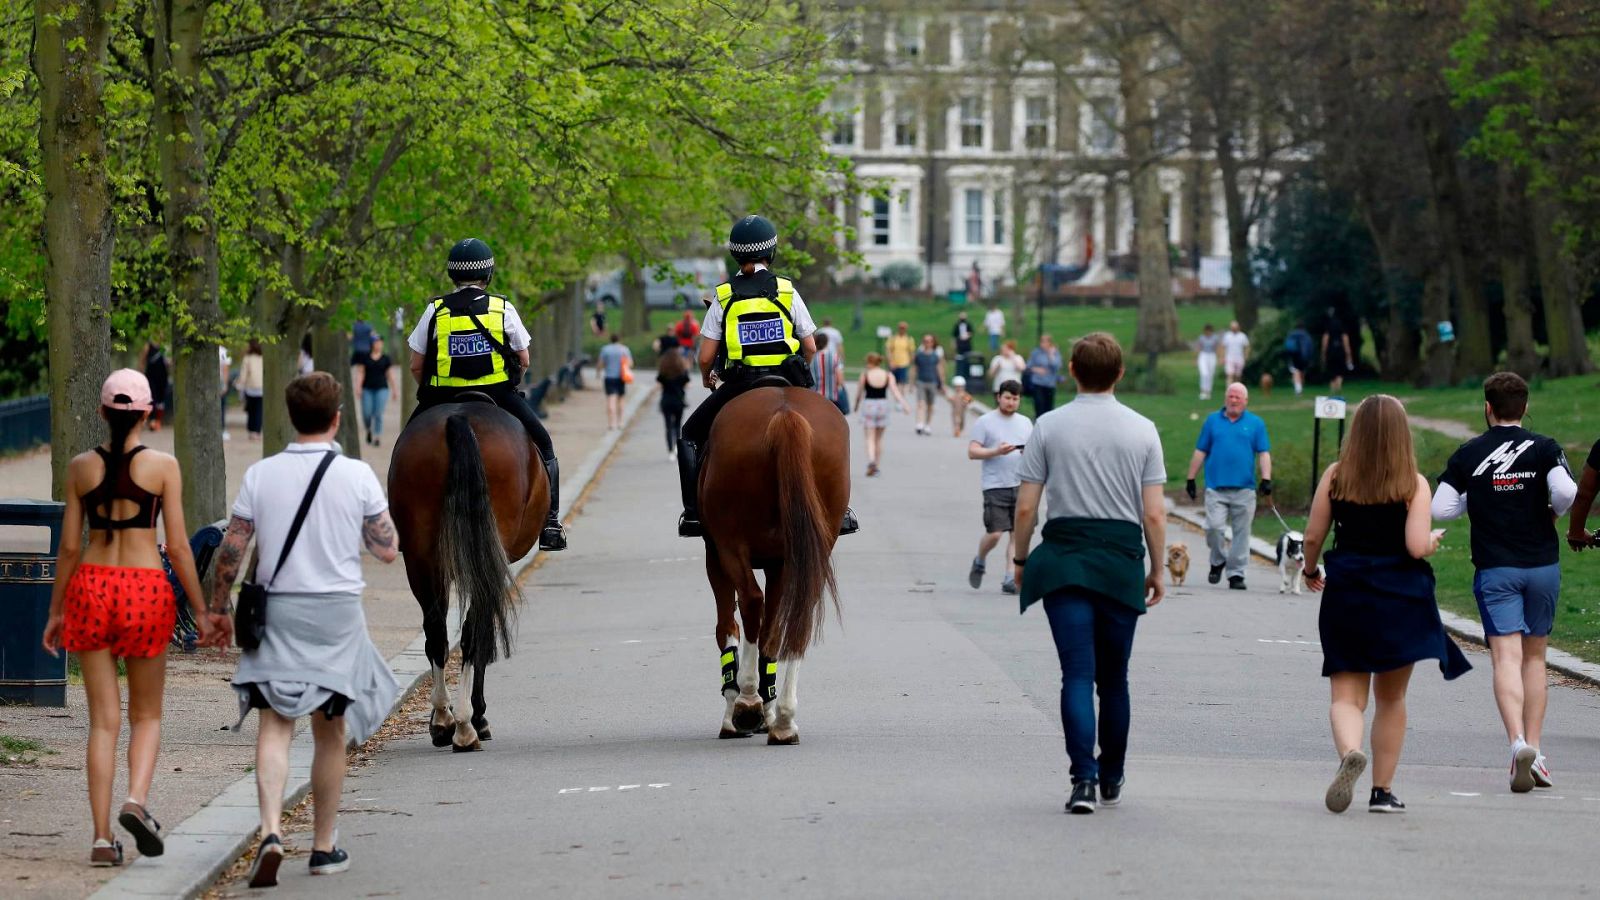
column 1518, row 744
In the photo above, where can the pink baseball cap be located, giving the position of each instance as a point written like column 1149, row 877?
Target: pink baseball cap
column 126, row 389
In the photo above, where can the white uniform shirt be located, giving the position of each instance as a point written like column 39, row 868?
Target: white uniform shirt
column 711, row 328
column 516, row 333
column 326, row 557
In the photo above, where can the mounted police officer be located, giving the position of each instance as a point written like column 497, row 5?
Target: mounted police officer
column 472, row 340
column 757, row 327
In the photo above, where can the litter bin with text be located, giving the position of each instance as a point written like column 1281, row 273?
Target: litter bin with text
column 28, row 674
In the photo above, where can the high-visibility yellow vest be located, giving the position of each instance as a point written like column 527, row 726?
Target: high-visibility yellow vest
column 463, row 357
column 758, row 331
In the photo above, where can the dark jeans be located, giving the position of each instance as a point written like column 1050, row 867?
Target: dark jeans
column 1044, row 400
column 1094, row 636
column 674, row 420
column 504, row 397
column 735, row 382
column 252, row 414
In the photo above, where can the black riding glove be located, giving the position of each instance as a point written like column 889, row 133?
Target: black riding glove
column 1266, row 487
column 1188, row 488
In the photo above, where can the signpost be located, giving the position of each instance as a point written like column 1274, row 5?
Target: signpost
column 1324, row 408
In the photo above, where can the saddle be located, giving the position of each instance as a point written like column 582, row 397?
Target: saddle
column 473, row 397
column 771, row 381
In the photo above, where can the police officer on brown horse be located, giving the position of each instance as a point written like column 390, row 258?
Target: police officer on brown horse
column 470, row 340
column 760, row 328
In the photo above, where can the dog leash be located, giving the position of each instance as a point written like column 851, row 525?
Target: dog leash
column 1274, row 508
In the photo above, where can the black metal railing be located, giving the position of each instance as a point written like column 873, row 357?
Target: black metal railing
column 24, row 423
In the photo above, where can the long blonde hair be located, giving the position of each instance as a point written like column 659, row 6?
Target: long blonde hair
column 1378, row 463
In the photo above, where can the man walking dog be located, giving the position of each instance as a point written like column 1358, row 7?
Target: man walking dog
column 1232, row 443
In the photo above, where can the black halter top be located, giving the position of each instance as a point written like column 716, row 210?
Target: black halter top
column 120, row 486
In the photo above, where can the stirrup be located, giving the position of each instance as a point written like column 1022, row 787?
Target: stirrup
column 690, row 526
column 553, row 537
column 850, row 525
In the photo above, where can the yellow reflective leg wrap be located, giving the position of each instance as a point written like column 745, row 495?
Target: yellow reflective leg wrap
column 730, row 669
column 769, row 680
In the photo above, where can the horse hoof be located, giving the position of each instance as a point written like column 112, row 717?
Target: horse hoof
column 440, row 734
column 783, row 738
column 728, row 733
column 748, row 717
column 469, row 748
column 484, row 735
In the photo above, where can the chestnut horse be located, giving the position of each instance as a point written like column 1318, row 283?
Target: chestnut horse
column 772, row 494
column 467, row 492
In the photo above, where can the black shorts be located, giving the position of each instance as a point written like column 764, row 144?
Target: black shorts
column 333, row 708
column 999, row 509
column 615, row 387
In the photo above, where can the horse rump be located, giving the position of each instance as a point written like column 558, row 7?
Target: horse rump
column 471, row 556
column 808, row 533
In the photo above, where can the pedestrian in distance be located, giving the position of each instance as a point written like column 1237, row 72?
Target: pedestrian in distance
column 472, row 341
column 687, row 331
column 994, row 324
column 379, row 380
column 1578, row 536
column 1297, row 351
column 1044, row 373
column 1337, row 358
column 975, row 283
column 225, row 376
column 900, row 348
column 873, row 390
column 310, row 510
column 962, row 337
column 616, row 369
column 929, row 365
column 835, row 336
column 1378, row 614
column 827, row 372
column 1208, row 347
column 153, row 362
column 1099, row 467
column 1232, row 444
column 998, row 439
column 1235, row 352
column 1513, row 484
column 672, row 373
column 252, row 384
column 960, row 400
column 111, row 600
column 597, row 319
column 1008, row 365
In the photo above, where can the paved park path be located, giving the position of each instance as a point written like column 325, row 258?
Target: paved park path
column 931, row 760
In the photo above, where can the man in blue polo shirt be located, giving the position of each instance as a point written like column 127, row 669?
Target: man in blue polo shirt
column 1231, row 442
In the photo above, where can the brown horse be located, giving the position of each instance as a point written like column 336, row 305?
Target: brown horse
column 468, row 493
column 772, row 493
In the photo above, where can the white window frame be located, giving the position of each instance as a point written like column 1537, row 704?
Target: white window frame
column 908, row 52
column 903, row 233
column 998, row 209
column 837, row 105
column 960, row 122
column 1020, row 139
column 960, row 52
column 871, row 215
column 971, row 218
column 1092, row 123
column 891, row 124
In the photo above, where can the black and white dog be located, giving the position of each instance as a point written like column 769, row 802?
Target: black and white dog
column 1291, row 561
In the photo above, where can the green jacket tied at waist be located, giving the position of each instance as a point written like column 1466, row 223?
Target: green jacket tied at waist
column 1105, row 556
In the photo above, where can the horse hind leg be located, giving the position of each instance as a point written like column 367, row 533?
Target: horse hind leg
column 781, row 728
column 466, row 737
column 441, row 723
column 734, row 653
column 480, row 722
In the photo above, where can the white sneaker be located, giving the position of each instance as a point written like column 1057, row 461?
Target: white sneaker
column 1522, row 760
column 1541, row 773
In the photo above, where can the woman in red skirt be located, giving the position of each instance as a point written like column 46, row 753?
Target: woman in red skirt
column 112, row 600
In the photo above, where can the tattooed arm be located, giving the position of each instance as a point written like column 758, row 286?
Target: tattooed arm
column 225, row 568
column 378, row 534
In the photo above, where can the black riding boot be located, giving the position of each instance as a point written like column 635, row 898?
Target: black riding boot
column 850, row 525
column 553, row 537
column 689, row 483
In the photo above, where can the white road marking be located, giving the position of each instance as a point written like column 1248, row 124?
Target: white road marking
column 593, row 789
column 1461, row 794
column 627, row 787
column 662, row 784
column 1273, row 641
column 633, row 642
column 606, row 787
column 569, row 790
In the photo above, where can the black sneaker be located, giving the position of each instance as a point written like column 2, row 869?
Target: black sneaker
column 1082, row 802
column 264, row 870
column 329, row 862
column 975, row 574
column 1111, row 792
column 1384, row 802
column 1215, row 575
column 1236, row 582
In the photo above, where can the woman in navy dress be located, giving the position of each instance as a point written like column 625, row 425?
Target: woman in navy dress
column 1378, row 613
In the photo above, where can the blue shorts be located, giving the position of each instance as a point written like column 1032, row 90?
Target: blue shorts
column 1517, row 601
column 615, row 387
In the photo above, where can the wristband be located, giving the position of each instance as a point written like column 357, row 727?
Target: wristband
column 1019, row 562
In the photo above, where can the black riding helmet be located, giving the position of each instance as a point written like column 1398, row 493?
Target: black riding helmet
column 752, row 238
column 470, row 260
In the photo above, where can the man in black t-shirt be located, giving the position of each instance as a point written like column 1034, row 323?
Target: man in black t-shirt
column 1578, row 536
column 1513, row 484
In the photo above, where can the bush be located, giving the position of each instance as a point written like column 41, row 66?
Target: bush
column 903, row 276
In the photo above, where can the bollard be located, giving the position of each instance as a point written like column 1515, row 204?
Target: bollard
column 28, row 674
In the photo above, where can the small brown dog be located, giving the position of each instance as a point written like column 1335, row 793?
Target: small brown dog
column 1178, row 563
column 1266, row 382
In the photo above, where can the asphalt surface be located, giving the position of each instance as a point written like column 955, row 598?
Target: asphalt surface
column 931, row 760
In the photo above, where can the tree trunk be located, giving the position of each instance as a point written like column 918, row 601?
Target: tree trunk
column 402, row 357
column 1439, row 356
column 634, row 314
column 1522, row 356
column 280, row 359
column 1559, row 291
column 330, row 352
column 1242, row 290
column 1157, row 329
column 69, row 58
column 1474, row 350
column 1400, row 337
column 191, row 234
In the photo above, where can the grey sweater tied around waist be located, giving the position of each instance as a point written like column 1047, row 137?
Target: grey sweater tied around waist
column 316, row 645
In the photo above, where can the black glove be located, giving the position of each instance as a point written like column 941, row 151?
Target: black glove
column 1189, row 489
column 1266, row 487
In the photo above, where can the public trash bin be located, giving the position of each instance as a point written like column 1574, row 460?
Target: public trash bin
column 958, row 296
column 977, row 372
column 28, row 674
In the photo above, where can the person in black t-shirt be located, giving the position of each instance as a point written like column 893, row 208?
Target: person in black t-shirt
column 1513, row 484
column 1578, row 536
column 377, row 380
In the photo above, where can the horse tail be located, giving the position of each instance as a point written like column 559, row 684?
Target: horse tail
column 470, row 553
column 808, row 533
